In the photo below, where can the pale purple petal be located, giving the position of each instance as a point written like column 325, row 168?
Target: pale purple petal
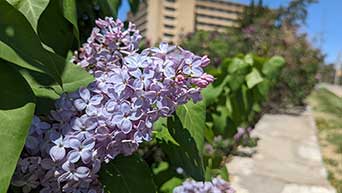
column 96, row 99
column 84, row 94
column 82, row 172
column 86, row 156
column 125, row 125
column 74, row 144
column 74, row 156
column 91, row 110
column 117, row 118
column 80, row 104
column 197, row 71
column 57, row 153
column 88, row 144
column 187, row 70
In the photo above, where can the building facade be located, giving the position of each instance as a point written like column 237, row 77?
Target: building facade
column 169, row 20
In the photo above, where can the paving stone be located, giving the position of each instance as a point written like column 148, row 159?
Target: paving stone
column 287, row 158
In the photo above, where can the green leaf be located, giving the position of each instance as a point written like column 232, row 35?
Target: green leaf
column 8, row 54
column 160, row 123
column 209, row 133
column 161, row 132
column 249, row 59
column 192, row 117
column 222, row 172
column 17, row 33
column 70, row 13
column 47, row 90
column 73, row 76
column 186, row 154
column 228, row 105
column 221, row 119
column 59, row 36
column 16, row 112
column 163, row 173
column 31, row 9
column 164, row 135
column 235, row 81
column 264, row 87
column 273, row 66
column 110, row 7
column 253, row 78
column 169, row 185
column 127, row 175
column 213, row 170
column 236, row 64
column 162, row 166
column 211, row 93
column 239, row 114
column 45, row 95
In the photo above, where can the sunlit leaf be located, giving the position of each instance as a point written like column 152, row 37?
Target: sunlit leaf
column 31, row 9
column 16, row 112
column 253, row 78
column 192, row 117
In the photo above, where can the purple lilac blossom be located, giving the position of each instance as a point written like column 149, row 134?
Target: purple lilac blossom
column 242, row 133
column 217, row 185
column 113, row 114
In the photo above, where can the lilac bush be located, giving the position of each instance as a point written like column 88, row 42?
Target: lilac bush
column 217, row 185
column 112, row 115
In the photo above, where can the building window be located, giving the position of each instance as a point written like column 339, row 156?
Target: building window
column 168, row 35
column 224, row 2
column 169, row 26
column 170, row 8
column 217, row 9
column 215, row 17
column 212, row 25
column 169, row 17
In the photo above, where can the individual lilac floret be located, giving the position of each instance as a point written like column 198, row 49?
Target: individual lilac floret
column 112, row 115
column 217, row 185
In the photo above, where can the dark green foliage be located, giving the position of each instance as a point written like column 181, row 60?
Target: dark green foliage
column 62, row 31
column 17, row 105
column 241, row 86
column 185, row 155
column 127, row 175
column 234, row 99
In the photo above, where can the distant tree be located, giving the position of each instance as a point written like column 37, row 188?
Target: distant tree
column 326, row 73
column 268, row 32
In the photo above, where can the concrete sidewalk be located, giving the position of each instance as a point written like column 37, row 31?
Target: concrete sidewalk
column 336, row 89
column 287, row 158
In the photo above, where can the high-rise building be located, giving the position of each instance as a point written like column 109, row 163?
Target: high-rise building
column 169, row 20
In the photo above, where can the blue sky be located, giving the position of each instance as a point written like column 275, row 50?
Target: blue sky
column 324, row 23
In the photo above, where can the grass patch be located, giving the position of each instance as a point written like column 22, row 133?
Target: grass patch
column 327, row 110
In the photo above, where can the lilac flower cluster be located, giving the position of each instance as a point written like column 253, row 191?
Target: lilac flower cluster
column 113, row 115
column 243, row 134
column 217, row 185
